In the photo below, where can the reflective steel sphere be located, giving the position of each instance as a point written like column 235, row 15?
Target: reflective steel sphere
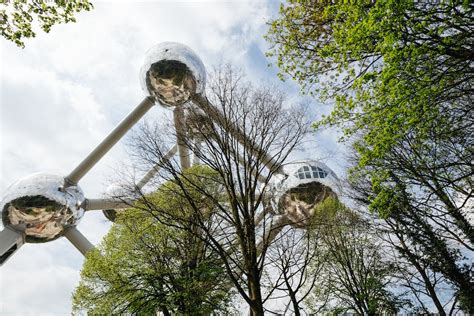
column 172, row 73
column 111, row 214
column 117, row 191
column 308, row 183
column 43, row 206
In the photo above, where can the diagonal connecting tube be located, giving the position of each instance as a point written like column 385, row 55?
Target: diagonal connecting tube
column 151, row 173
column 117, row 133
column 106, row 204
column 203, row 103
column 116, row 203
column 78, row 240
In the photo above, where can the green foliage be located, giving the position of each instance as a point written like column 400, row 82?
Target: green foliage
column 400, row 74
column 143, row 266
column 196, row 185
column 18, row 17
column 388, row 65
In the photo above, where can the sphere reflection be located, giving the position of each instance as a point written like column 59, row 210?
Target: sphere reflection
column 308, row 184
column 172, row 73
column 41, row 204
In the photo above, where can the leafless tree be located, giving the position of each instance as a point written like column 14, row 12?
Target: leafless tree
column 295, row 265
column 239, row 137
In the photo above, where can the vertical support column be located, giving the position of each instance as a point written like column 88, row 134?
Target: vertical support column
column 197, row 148
column 180, row 125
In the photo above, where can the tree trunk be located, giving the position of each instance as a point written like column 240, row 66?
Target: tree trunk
column 428, row 285
column 295, row 304
column 164, row 311
column 256, row 307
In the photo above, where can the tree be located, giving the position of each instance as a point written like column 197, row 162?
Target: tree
column 294, row 268
column 143, row 266
column 401, row 75
column 17, row 17
column 355, row 276
column 242, row 133
column 416, row 274
column 426, row 236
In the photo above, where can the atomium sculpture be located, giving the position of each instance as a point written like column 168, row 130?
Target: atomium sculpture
column 43, row 207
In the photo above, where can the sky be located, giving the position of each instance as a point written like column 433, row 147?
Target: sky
column 63, row 93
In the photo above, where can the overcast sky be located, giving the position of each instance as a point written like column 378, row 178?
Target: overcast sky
column 66, row 90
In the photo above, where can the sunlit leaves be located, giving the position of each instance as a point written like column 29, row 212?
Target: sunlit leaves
column 19, row 18
column 389, row 66
column 149, row 262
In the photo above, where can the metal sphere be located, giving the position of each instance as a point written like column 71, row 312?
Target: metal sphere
column 41, row 205
column 110, row 214
column 172, row 73
column 115, row 190
column 308, row 184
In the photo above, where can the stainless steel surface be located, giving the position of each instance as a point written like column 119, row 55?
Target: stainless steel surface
column 171, row 73
column 267, row 209
column 110, row 214
column 260, row 177
column 78, row 240
column 10, row 241
column 40, row 202
column 106, row 203
column 197, row 148
column 181, row 135
column 274, row 226
column 296, row 195
column 114, row 136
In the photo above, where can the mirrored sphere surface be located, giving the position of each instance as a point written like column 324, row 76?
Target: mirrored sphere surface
column 39, row 203
column 308, row 183
column 115, row 191
column 172, row 73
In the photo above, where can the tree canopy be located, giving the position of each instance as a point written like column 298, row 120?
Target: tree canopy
column 400, row 75
column 144, row 266
column 19, row 17
column 391, row 67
